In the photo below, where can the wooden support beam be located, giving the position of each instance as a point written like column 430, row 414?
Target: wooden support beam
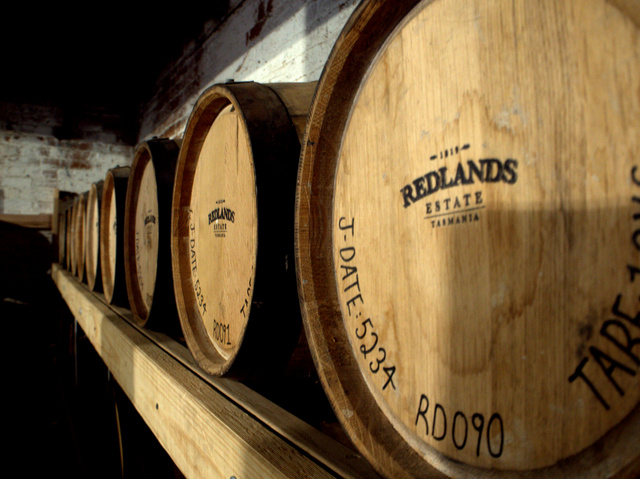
column 211, row 427
column 39, row 222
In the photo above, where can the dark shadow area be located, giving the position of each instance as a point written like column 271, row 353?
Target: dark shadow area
column 81, row 76
column 297, row 389
column 90, row 69
column 61, row 399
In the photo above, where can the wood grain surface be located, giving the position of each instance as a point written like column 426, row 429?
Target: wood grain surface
column 94, row 202
column 69, row 238
column 112, row 212
column 81, row 227
column 468, row 243
column 147, row 235
column 211, row 427
column 233, row 208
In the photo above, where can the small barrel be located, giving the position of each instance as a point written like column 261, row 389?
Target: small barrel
column 72, row 237
column 232, row 221
column 147, row 236
column 92, row 236
column 68, row 236
column 63, row 203
column 112, row 210
column 62, row 235
column 468, row 237
column 79, row 234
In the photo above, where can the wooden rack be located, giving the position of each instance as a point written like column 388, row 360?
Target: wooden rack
column 211, row 427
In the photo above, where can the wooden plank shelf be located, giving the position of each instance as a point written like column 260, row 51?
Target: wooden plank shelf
column 211, row 427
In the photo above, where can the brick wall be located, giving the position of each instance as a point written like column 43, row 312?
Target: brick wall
column 43, row 148
column 261, row 40
column 33, row 166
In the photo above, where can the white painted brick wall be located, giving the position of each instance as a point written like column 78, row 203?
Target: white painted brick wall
column 294, row 41
column 32, row 167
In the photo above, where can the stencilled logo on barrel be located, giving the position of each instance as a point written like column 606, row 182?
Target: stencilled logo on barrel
column 458, row 207
column 220, row 218
column 149, row 224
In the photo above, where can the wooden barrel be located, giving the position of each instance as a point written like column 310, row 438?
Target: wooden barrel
column 94, row 202
column 68, row 237
column 112, row 209
column 62, row 203
column 62, row 235
column 79, row 234
column 73, row 239
column 232, row 219
column 468, row 237
column 147, row 236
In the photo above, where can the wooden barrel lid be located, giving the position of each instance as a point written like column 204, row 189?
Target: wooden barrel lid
column 94, row 201
column 80, row 243
column 468, row 236
column 74, row 228
column 147, row 245
column 62, row 203
column 232, row 217
column 62, row 236
column 68, row 237
column 112, row 209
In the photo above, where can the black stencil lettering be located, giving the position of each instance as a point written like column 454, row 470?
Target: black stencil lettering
column 435, row 420
column 630, row 342
column 474, row 170
column 477, row 421
column 615, row 309
column 608, row 369
column 407, row 196
column 457, row 415
column 389, row 371
column 509, row 175
column 347, row 226
column 493, row 170
column 635, row 178
column 363, row 348
column 348, row 271
column 433, row 182
column 423, row 407
column 364, row 323
column 378, row 361
column 347, row 254
column 352, row 302
column 418, row 184
column 633, row 271
column 355, row 284
column 495, row 417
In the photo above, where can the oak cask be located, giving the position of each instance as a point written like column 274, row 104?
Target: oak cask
column 232, row 223
column 73, row 245
column 112, row 209
column 147, row 236
column 69, row 236
column 79, row 235
column 468, row 237
column 62, row 235
column 94, row 202
column 62, row 205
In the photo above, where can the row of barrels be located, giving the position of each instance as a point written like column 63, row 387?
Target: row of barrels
column 452, row 213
